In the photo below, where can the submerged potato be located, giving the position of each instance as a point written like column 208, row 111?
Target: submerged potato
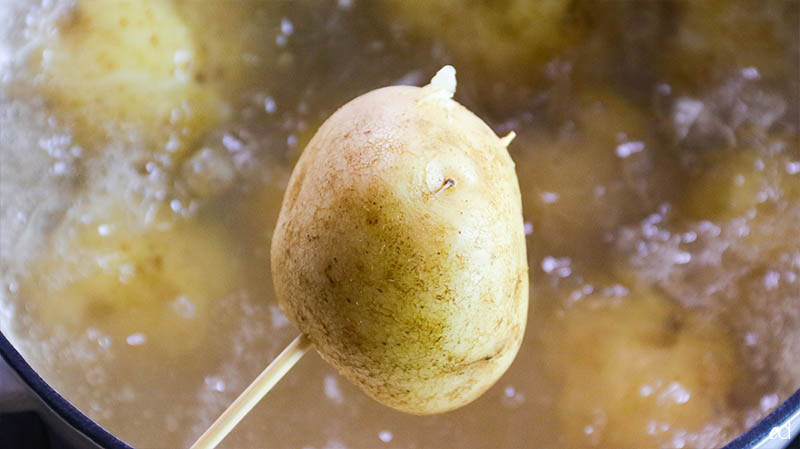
column 129, row 62
column 400, row 251
column 513, row 36
column 234, row 42
column 636, row 369
column 599, row 170
column 716, row 37
column 735, row 183
column 127, row 279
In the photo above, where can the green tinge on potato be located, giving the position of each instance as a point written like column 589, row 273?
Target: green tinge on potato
column 400, row 250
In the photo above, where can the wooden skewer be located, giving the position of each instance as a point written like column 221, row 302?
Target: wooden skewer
column 254, row 393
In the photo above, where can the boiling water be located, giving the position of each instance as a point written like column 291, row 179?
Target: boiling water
column 146, row 146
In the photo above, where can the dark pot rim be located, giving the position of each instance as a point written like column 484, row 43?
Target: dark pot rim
column 105, row 439
column 68, row 412
column 761, row 431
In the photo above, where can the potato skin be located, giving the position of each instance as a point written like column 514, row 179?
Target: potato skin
column 400, row 250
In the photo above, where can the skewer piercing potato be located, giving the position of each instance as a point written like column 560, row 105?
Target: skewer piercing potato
column 400, row 251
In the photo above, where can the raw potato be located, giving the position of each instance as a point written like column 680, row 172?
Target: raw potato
column 638, row 370
column 400, row 250
column 119, row 62
column 125, row 278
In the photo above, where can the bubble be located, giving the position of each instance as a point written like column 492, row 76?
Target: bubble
column 208, row 172
column 559, row 266
column 674, row 392
column 686, row 112
column 750, row 73
column 771, row 280
column 626, row 149
column 512, row 398
column 528, row 228
column 184, row 307
column 286, row 26
column 136, row 339
column 269, row 105
column 232, row 143
column 214, row 383
column 334, row 444
column 279, row 320
column 549, row 197
column 385, row 436
column 332, row 391
column 769, row 402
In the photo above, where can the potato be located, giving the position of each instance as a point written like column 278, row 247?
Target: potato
column 635, row 371
column 400, row 252
column 234, row 42
column 736, row 182
column 620, row 44
column 129, row 63
column 512, row 36
column 714, row 38
column 595, row 173
column 125, row 279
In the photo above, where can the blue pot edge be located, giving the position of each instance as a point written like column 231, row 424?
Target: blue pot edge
column 761, row 431
column 55, row 401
